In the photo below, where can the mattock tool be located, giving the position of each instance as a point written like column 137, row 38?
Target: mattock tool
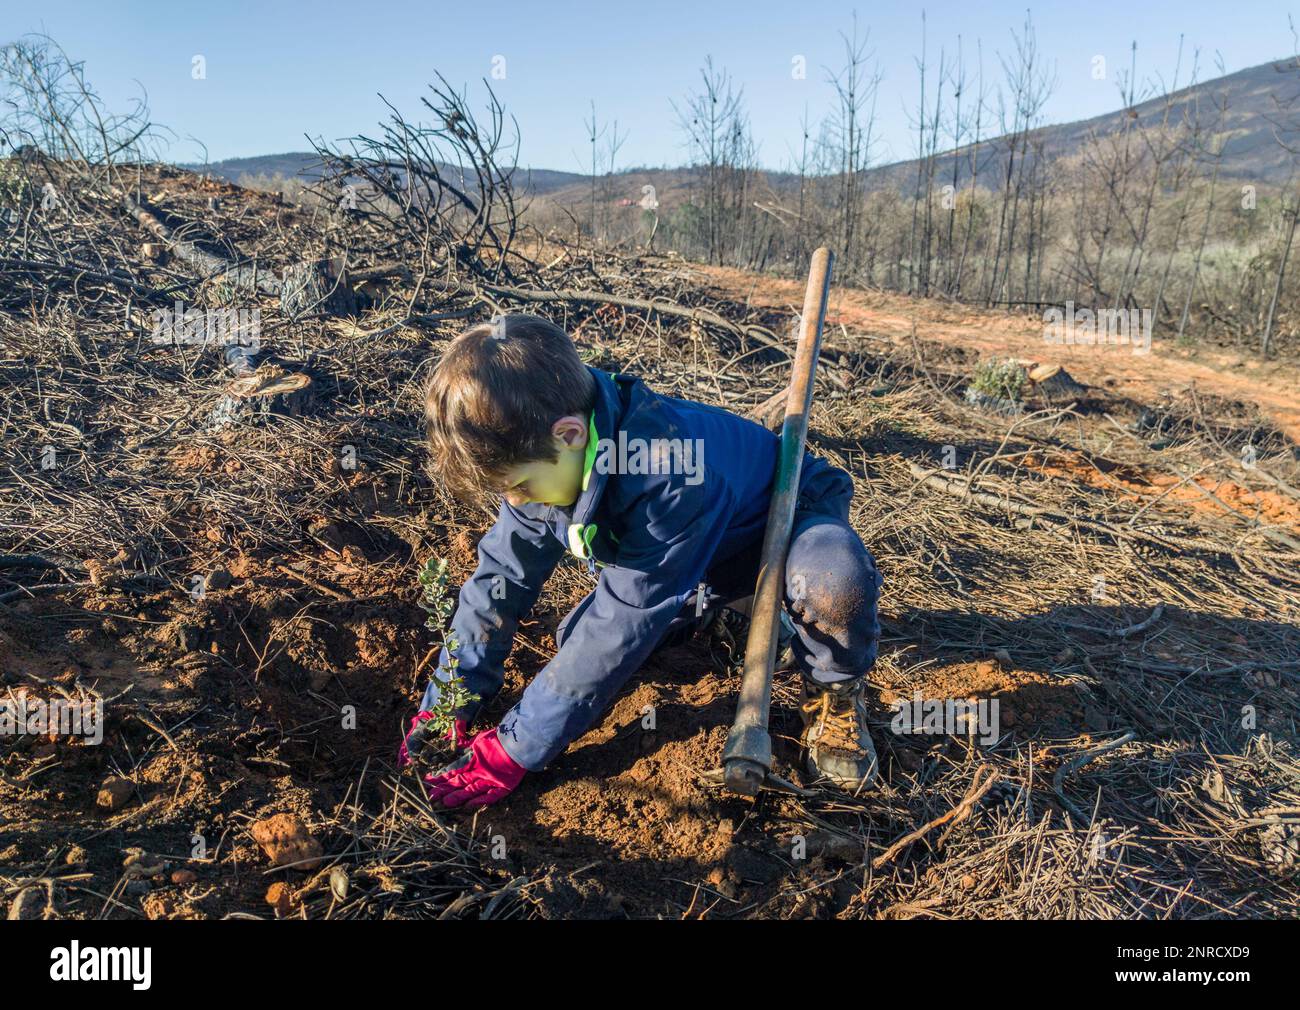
column 747, row 757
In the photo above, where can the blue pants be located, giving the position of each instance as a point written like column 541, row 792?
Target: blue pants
column 831, row 586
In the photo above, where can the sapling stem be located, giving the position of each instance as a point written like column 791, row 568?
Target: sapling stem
column 436, row 601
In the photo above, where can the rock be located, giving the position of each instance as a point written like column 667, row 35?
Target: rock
column 183, row 877
column 285, row 840
column 339, row 883
column 115, row 793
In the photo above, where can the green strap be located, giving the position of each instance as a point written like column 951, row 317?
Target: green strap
column 580, row 536
column 590, row 459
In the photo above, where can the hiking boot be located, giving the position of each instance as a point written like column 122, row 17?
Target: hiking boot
column 836, row 734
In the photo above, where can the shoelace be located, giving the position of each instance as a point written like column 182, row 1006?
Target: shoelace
column 839, row 722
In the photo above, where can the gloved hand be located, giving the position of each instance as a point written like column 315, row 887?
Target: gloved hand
column 481, row 775
column 420, row 735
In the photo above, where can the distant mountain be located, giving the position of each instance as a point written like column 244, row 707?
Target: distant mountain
column 1258, row 99
column 1262, row 104
column 295, row 163
column 306, row 166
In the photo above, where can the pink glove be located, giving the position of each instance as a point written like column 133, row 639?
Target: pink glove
column 417, row 737
column 481, row 775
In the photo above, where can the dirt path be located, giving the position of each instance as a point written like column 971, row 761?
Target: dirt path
column 1272, row 386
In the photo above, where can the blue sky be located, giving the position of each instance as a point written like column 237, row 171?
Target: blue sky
column 278, row 70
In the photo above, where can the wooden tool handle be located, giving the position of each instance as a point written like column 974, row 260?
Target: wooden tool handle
column 748, row 753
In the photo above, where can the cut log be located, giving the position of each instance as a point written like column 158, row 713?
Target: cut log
column 210, row 265
column 309, row 287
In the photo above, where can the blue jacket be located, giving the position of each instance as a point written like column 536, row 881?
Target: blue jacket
column 651, row 535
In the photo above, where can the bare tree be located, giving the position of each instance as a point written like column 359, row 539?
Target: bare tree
column 849, row 133
column 1287, row 133
column 710, row 121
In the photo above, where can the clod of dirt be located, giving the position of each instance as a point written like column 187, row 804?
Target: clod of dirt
column 285, row 840
column 138, row 864
column 218, row 578
column 183, row 877
column 184, row 637
column 280, row 897
column 115, row 793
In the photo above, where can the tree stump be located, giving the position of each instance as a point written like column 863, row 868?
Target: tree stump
column 261, row 393
column 316, row 286
column 1055, row 381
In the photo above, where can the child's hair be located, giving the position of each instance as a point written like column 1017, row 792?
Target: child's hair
column 494, row 396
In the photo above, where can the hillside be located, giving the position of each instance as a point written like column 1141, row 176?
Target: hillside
column 1258, row 100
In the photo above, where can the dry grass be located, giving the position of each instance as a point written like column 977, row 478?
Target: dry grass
column 1173, row 626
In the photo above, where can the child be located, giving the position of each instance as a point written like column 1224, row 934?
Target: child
column 666, row 500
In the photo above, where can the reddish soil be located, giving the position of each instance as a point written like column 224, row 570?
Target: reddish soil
column 1141, row 377
column 284, row 692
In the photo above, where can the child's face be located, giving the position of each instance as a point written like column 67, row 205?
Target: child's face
column 552, row 483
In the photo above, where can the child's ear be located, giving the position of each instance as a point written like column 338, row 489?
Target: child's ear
column 570, row 433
